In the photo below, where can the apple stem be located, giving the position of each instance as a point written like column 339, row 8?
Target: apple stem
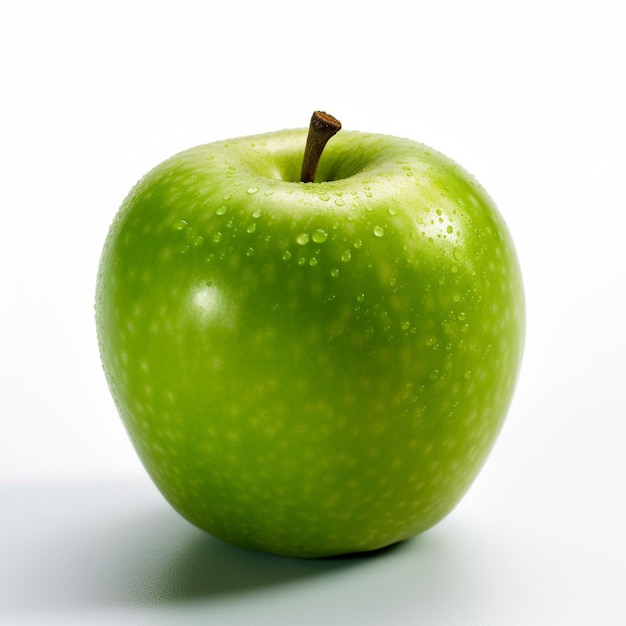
column 322, row 127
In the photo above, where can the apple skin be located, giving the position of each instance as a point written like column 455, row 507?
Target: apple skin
column 311, row 369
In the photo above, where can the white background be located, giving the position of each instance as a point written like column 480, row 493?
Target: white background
column 529, row 96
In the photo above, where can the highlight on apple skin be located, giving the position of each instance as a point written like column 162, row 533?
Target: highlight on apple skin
column 311, row 368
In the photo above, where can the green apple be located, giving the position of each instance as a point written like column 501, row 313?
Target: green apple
column 311, row 368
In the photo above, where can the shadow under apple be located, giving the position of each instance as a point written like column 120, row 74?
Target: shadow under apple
column 83, row 547
column 203, row 567
column 119, row 549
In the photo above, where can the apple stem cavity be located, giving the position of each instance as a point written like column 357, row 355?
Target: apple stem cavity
column 322, row 127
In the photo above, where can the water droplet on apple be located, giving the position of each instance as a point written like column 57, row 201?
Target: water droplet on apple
column 339, row 202
column 302, row 239
column 319, row 235
column 256, row 214
column 449, row 230
column 181, row 225
column 334, row 272
column 468, row 375
column 313, row 261
column 252, row 190
column 346, row 256
column 268, row 192
column 461, row 316
column 251, row 228
column 250, row 252
column 324, row 196
column 391, row 210
column 434, row 375
column 217, row 237
column 357, row 243
column 222, row 210
column 286, row 255
column 378, row 231
column 360, row 297
column 405, row 325
column 457, row 253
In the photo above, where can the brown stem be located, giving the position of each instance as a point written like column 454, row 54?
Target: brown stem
column 323, row 126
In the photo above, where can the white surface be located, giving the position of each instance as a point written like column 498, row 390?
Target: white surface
column 530, row 97
column 114, row 553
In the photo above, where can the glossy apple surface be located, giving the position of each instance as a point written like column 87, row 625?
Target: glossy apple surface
column 318, row 368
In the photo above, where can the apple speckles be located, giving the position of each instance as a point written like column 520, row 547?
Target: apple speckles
column 319, row 369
